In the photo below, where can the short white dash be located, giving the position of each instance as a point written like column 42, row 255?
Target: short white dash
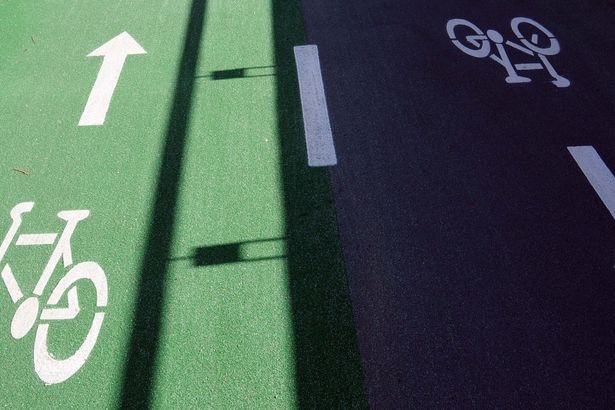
column 318, row 135
column 598, row 174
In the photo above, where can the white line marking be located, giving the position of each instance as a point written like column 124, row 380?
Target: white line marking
column 11, row 284
column 114, row 52
column 598, row 174
column 318, row 135
column 36, row 239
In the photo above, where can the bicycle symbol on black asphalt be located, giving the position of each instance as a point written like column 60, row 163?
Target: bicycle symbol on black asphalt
column 535, row 40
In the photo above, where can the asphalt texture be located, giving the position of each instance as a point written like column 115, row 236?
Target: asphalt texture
column 480, row 259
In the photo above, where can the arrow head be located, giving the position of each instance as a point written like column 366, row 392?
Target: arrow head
column 122, row 44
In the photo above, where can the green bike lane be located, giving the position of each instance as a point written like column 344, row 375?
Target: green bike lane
column 226, row 286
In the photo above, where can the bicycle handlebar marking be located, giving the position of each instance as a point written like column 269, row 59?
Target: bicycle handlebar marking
column 49, row 369
column 479, row 45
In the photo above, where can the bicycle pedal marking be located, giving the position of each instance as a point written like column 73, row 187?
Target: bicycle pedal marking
column 31, row 311
column 532, row 37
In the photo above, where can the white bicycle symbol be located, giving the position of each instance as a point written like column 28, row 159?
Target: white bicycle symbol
column 49, row 369
column 533, row 37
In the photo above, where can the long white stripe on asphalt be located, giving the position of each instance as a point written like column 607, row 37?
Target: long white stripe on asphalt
column 318, row 135
column 598, row 174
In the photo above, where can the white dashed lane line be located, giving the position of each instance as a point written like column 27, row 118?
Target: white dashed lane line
column 598, row 174
column 318, row 135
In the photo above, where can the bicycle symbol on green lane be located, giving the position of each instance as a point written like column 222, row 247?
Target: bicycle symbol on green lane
column 49, row 369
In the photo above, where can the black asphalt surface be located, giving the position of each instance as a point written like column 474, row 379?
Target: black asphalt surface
column 480, row 259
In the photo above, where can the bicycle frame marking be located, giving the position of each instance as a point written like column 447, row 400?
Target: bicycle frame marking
column 11, row 284
column 36, row 239
column 49, row 369
column 482, row 43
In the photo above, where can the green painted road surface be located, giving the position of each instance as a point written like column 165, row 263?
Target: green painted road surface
column 218, row 244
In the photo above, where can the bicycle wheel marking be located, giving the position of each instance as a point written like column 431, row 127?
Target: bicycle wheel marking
column 479, row 44
column 32, row 311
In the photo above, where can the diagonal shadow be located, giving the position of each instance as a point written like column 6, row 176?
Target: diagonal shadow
column 143, row 349
column 328, row 370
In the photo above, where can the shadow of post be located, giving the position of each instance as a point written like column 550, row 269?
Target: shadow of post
column 143, row 349
column 327, row 362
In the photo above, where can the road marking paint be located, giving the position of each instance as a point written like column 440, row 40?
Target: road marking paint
column 11, row 284
column 114, row 52
column 482, row 47
column 528, row 66
column 318, row 135
column 54, row 371
column 67, row 313
column 36, row 239
column 598, row 174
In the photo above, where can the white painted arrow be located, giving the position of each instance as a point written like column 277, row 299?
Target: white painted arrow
column 114, row 52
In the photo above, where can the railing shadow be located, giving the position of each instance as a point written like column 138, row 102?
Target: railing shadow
column 327, row 362
column 243, row 72
column 143, row 349
column 235, row 252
